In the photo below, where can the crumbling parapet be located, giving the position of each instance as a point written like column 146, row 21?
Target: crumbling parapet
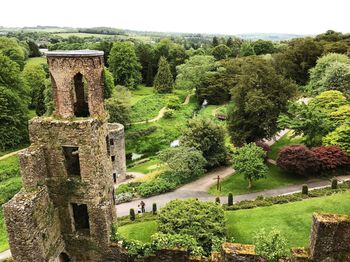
column 330, row 238
column 232, row 252
column 33, row 227
column 117, row 151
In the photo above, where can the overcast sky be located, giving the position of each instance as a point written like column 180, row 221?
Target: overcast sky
column 202, row 16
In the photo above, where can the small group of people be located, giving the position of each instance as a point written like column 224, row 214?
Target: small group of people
column 141, row 207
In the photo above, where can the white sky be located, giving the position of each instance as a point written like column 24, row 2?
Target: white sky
column 202, row 16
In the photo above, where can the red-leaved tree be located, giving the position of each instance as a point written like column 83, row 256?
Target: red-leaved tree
column 298, row 159
column 331, row 157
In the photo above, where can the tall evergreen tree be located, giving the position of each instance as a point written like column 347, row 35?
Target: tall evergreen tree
column 163, row 82
column 215, row 41
column 229, row 42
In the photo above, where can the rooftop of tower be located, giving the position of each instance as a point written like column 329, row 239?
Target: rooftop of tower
column 74, row 53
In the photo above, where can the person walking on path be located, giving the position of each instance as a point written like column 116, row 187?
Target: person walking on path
column 142, row 207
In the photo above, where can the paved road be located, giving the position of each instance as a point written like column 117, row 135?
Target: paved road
column 198, row 190
column 4, row 255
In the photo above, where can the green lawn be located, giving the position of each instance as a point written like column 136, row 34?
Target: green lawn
column 237, row 185
column 141, row 231
column 292, row 219
column 36, row 61
column 145, row 167
column 10, row 184
column 285, row 140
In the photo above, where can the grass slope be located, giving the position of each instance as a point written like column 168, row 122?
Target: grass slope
column 285, row 140
column 292, row 219
column 237, row 185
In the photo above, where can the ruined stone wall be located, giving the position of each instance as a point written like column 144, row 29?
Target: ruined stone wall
column 117, row 151
column 63, row 69
column 33, row 226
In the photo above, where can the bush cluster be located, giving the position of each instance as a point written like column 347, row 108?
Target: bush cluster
column 142, row 132
column 155, row 187
column 123, row 197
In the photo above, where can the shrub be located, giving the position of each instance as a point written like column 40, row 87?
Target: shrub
column 331, row 157
column 271, row 245
column 173, row 102
column 130, row 187
column 334, row 183
column 340, row 136
column 123, row 197
column 305, row 190
column 154, row 208
column 169, row 113
column 217, row 200
column 264, row 146
column 141, row 133
column 298, row 159
column 230, row 199
column 201, row 220
column 156, row 186
column 132, row 214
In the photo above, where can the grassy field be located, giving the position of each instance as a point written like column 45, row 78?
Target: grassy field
column 10, row 184
column 236, row 184
column 292, row 219
column 36, row 61
column 285, row 140
column 139, row 231
column 146, row 167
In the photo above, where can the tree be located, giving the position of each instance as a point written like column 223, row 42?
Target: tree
column 262, row 47
column 271, row 245
column 202, row 220
column 259, row 96
column 337, row 77
column 249, row 161
column 35, row 76
column 108, row 83
column 246, row 49
column 328, row 101
column 331, row 157
column 118, row 106
column 33, row 49
column 11, row 48
column 209, row 138
column 317, row 74
column 221, row 52
column 307, row 120
column 124, row 65
column 341, row 115
column 163, row 82
column 215, row 41
column 340, row 136
column 296, row 60
column 13, row 119
column 190, row 73
column 184, row 163
column 298, row 159
column 146, row 56
column 229, row 42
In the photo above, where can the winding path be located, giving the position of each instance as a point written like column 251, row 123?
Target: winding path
column 10, row 154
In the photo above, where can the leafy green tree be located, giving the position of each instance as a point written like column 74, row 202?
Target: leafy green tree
column 262, row 47
column 163, row 82
column 146, row 56
column 33, row 49
column 124, row 65
column 309, row 121
column 298, row 58
column 246, row 49
column 215, row 41
column 184, row 163
column 341, row 115
column 221, row 52
column 118, row 106
column 108, row 83
column 249, row 161
column 271, row 245
column 11, row 48
column 10, row 77
column 202, row 220
column 259, row 96
column 328, row 101
column 13, row 119
column 337, row 77
column 229, row 42
column 209, row 138
column 340, row 137
column 35, row 76
column 190, row 73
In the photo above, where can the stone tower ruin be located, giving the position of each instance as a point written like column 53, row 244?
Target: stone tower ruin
column 66, row 207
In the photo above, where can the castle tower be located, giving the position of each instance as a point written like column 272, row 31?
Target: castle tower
column 66, row 207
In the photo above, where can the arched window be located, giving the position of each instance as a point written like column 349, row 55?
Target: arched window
column 63, row 257
column 81, row 106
